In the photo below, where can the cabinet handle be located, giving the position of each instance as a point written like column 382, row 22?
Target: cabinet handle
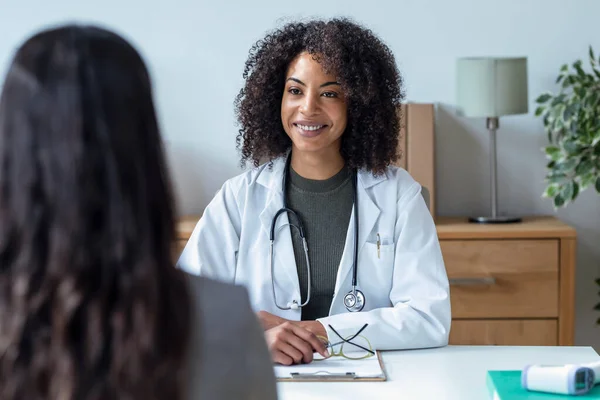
column 488, row 280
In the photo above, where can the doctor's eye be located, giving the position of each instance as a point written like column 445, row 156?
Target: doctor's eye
column 330, row 94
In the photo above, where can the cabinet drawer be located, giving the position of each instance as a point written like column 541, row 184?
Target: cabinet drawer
column 502, row 278
column 505, row 332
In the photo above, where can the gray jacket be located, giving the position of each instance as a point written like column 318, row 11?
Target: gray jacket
column 228, row 355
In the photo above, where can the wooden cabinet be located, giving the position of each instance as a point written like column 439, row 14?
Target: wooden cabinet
column 521, row 332
column 510, row 284
column 185, row 227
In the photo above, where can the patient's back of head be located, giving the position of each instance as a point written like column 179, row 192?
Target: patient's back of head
column 90, row 305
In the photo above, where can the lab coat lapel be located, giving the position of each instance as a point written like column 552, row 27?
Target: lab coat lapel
column 368, row 213
column 286, row 275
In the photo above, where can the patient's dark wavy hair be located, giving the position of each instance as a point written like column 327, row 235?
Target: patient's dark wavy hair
column 366, row 70
column 91, row 306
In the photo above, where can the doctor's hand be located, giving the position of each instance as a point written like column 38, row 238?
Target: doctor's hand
column 291, row 344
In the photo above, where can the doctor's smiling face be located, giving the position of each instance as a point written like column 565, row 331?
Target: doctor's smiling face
column 313, row 107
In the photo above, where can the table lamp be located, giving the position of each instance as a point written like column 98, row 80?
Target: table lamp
column 490, row 88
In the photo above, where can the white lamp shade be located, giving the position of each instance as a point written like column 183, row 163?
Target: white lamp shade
column 492, row 87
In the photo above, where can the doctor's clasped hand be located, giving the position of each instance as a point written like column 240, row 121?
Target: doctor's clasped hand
column 289, row 344
column 292, row 341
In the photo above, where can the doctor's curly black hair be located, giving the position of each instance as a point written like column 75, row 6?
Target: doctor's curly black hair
column 366, row 70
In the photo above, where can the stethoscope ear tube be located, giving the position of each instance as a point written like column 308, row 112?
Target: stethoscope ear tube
column 274, row 222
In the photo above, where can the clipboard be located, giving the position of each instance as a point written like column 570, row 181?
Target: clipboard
column 336, row 369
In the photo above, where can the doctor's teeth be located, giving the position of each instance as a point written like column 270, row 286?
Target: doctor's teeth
column 310, row 128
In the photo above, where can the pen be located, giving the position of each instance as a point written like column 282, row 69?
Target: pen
column 378, row 245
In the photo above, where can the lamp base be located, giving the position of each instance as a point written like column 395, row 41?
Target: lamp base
column 499, row 219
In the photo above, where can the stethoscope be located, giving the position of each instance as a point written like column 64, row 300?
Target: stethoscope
column 354, row 300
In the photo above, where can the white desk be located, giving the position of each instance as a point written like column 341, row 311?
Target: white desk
column 452, row 372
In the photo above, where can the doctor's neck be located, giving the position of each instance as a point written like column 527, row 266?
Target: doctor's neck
column 316, row 165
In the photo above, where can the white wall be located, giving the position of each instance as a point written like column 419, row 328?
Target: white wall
column 196, row 51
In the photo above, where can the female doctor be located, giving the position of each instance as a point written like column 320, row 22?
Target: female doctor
column 326, row 235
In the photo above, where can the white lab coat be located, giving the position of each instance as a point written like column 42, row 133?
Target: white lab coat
column 407, row 303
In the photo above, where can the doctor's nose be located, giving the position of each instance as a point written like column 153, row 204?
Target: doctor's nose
column 309, row 106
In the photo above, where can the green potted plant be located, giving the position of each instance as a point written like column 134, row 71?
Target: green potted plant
column 571, row 119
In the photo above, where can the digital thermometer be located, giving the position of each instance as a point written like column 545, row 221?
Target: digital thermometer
column 571, row 379
column 596, row 367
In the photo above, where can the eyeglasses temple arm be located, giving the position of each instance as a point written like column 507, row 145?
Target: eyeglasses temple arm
column 349, row 340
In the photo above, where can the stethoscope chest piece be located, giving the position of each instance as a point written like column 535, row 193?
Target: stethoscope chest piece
column 354, row 300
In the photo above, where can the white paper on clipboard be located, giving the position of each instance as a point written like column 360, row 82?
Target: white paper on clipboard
column 334, row 366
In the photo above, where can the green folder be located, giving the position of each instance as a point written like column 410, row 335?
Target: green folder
column 506, row 385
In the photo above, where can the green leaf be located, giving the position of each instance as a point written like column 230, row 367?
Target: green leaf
column 569, row 112
column 592, row 57
column 571, row 147
column 558, row 201
column 589, row 79
column 564, row 68
column 551, row 191
column 584, row 167
column 598, row 185
column 579, row 91
column 551, row 150
column 598, row 321
column 559, row 127
column 556, row 177
column 597, row 308
column 560, row 78
column 575, row 191
column 539, row 111
column 551, row 164
column 556, row 157
column 574, row 127
column 567, row 191
column 558, row 100
column 587, row 180
column 543, row 98
column 566, row 166
column 593, row 99
column 577, row 66
column 598, row 281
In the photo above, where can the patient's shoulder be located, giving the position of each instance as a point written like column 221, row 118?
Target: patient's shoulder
column 211, row 289
column 228, row 357
column 218, row 307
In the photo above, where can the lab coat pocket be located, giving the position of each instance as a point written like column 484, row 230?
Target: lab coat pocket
column 375, row 273
column 379, row 253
